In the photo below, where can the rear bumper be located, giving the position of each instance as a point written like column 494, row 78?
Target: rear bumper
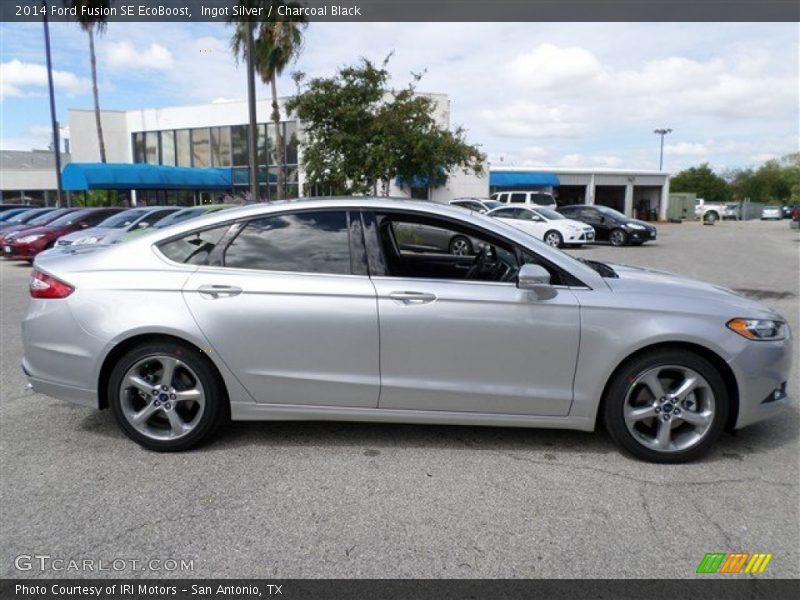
column 61, row 391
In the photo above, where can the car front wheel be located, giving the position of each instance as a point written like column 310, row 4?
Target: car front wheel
column 166, row 397
column 618, row 238
column 666, row 406
column 553, row 238
column 460, row 246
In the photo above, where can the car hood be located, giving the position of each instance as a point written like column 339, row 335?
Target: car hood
column 44, row 230
column 638, row 222
column 573, row 223
column 668, row 288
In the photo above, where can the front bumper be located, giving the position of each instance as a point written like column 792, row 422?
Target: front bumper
column 761, row 370
column 23, row 251
column 642, row 235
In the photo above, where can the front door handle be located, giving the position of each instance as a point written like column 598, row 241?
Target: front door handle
column 413, row 297
column 219, row 291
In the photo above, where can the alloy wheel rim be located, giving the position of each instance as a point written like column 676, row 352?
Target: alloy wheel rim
column 460, row 248
column 552, row 240
column 162, row 397
column 669, row 408
column 616, row 238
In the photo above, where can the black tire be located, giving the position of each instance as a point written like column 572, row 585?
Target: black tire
column 624, row 378
column 457, row 242
column 618, row 237
column 710, row 217
column 215, row 412
column 557, row 239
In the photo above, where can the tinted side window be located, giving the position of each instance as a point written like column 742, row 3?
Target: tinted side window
column 193, row 248
column 95, row 217
column 518, row 198
column 306, row 242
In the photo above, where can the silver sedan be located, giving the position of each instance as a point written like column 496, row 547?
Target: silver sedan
column 316, row 310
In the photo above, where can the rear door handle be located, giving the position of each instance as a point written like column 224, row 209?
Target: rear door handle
column 413, row 297
column 219, row 291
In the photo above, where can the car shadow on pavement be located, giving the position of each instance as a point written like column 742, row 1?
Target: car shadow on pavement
column 753, row 440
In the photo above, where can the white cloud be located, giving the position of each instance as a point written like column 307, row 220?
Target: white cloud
column 549, row 67
column 686, row 149
column 532, row 120
column 17, row 78
column 124, row 55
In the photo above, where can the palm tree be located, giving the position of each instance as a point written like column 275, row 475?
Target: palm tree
column 277, row 43
column 94, row 25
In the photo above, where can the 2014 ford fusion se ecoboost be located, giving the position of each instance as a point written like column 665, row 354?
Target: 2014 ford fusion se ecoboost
column 325, row 309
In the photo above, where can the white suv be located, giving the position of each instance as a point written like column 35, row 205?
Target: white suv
column 542, row 199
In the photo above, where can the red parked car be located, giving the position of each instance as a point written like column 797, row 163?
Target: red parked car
column 47, row 216
column 27, row 244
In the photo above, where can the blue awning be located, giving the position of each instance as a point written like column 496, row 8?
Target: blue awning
column 438, row 180
column 522, row 179
column 138, row 176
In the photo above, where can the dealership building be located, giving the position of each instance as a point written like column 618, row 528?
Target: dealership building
column 208, row 144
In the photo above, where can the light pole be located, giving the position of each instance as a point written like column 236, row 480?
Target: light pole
column 252, row 135
column 53, row 121
column 662, row 133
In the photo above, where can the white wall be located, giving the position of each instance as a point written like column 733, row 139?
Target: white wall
column 83, row 136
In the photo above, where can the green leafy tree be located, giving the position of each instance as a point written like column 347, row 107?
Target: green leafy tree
column 775, row 182
column 702, row 181
column 277, row 42
column 359, row 133
column 94, row 25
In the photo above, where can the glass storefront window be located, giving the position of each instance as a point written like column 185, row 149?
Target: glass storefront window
column 262, row 145
column 151, row 147
column 239, row 145
column 201, row 147
column 168, row 148
column 221, row 146
column 272, row 154
column 291, row 142
column 184, row 148
column 138, row 147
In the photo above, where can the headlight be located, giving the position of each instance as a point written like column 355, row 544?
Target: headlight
column 94, row 239
column 30, row 238
column 759, row 329
column 636, row 226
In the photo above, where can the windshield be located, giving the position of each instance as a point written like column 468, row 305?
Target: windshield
column 490, row 204
column 610, row 212
column 123, row 219
column 23, row 216
column 549, row 214
column 48, row 217
column 181, row 215
column 9, row 214
column 70, row 218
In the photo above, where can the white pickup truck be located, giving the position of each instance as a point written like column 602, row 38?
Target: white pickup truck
column 708, row 212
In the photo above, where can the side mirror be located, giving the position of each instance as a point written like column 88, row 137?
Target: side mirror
column 83, row 225
column 143, row 224
column 536, row 279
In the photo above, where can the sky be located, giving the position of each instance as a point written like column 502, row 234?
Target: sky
column 529, row 94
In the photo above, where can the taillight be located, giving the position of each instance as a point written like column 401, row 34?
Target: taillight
column 46, row 286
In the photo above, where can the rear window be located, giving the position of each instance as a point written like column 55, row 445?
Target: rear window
column 195, row 247
column 542, row 199
column 305, row 242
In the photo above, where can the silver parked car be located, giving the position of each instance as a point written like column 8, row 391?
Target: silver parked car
column 116, row 226
column 313, row 310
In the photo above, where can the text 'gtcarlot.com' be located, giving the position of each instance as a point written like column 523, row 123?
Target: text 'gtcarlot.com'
column 45, row 562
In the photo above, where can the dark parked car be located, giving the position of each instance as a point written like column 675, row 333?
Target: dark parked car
column 611, row 225
column 12, row 218
column 42, row 217
column 29, row 243
column 5, row 207
column 787, row 210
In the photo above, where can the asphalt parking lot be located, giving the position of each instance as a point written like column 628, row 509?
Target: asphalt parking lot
column 363, row 500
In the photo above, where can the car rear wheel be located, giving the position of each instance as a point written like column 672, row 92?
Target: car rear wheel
column 666, row 406
column 618, row 238
column 460, row 246
column 166, row 397
column 553, row 238
column 711, row 217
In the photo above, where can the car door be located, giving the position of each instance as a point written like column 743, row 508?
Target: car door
column 291, row 310
column 592, row 217
column 451, row 344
